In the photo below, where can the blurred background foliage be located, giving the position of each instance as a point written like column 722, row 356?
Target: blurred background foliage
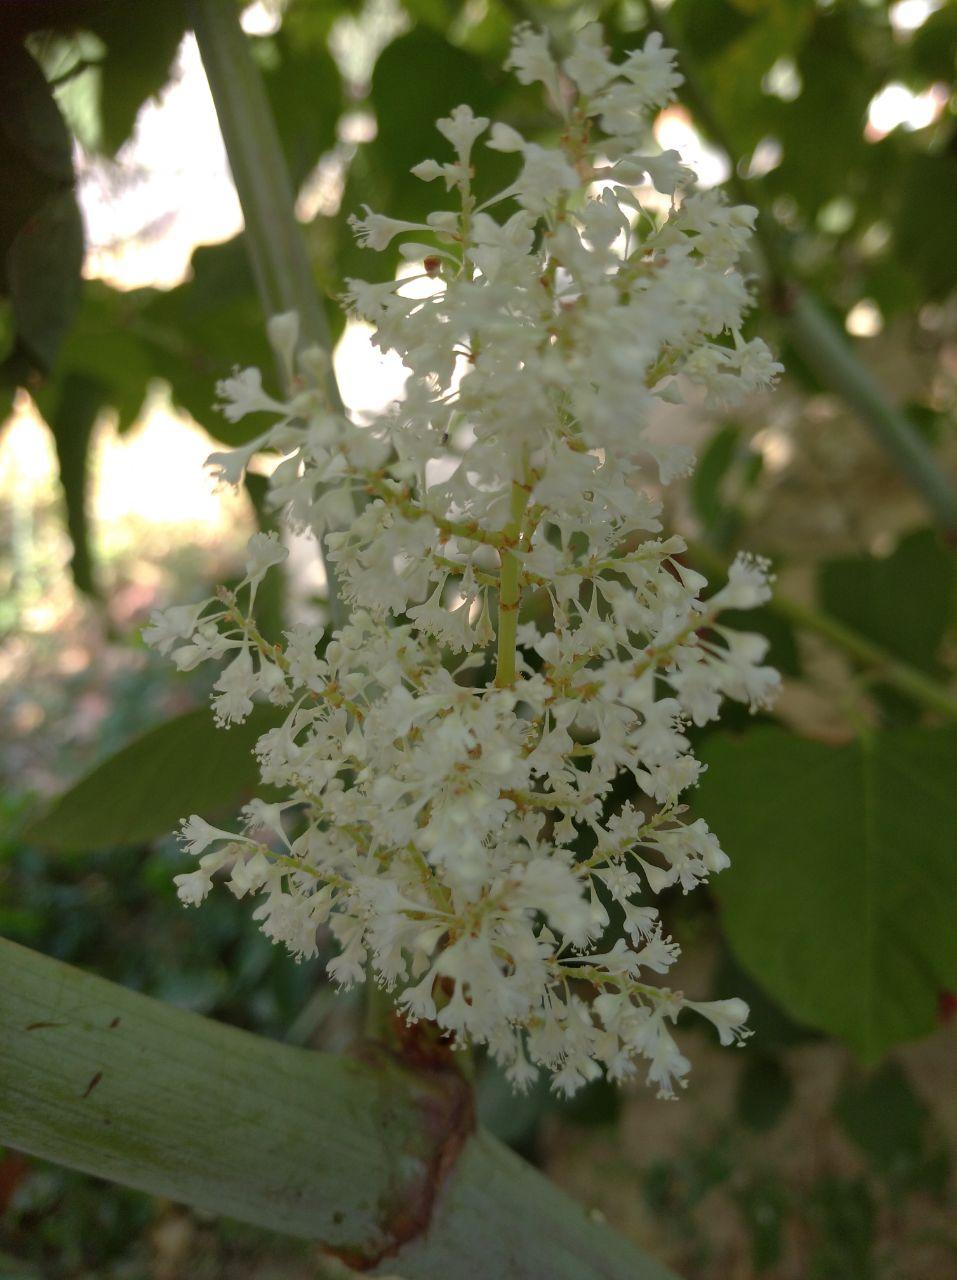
column 824, row 1149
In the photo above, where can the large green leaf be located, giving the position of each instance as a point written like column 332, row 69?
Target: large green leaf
column 139, row 54
column 128, row 62
column 902, row 601
column 78, row 404
column 41, row 234
column 840, row 895
column 184, row 766
column 375, row 1161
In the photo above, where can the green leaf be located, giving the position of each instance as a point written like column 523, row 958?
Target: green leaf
column 139, row 55
column 41, row 233
column 886, row 1119
column 307, row 122
column 713, row 465
column 373, row 1160
column 105, row 345
column 204, row 327
column 184, row 766
column 764, row 1091
column 839, row 899
column 902, row 601
column 78, row 403
column 43, row 277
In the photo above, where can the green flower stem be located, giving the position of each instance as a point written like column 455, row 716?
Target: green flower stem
column 881, row 664
column 273, row 237
column 510, row 588
column 509, row 599
column 822, row 345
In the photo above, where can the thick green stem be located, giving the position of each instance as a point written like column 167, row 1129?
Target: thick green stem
column 273, row 237
column 881, row 664
column 378, row 1163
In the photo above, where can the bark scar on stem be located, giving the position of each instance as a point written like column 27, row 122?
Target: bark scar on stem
column 443, row 1100
column 92, row 1085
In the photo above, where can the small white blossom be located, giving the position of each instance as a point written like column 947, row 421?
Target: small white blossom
column 264, row 551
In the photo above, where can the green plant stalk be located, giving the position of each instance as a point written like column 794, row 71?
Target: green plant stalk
column 883, row 665
column 827, row 351
column 821, row 344
column 377, row 1163
column 509, row 599
column 275, row 243
column 510, row 589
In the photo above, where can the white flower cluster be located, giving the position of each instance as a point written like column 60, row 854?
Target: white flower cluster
column 457, row 822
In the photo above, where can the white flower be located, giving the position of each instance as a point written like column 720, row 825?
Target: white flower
column 504, row 138
column 232, row 702
column 169, row 625
column 283, row 331
column 589, row 65
column 729, row 1016
column 375, row 231
column 197, row 835
column 461, row 128
column 192, row 887
column 243, row 393
column 545, row 177
column 530, row 60
column 460, row 829
column 427, row 170
column 265, row 550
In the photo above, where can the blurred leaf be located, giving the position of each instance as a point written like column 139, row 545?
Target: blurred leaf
column 43, row 276
column 734, row 49
column 139, row 54
column 131, row 64
column 512, row 1117
column 598, row 1103
column 763, row 1203
column 932, row 49
column 104, row 344
column 844, row 1213
column 77, row 407
column 306, row 121
column 185, row 766
column 764, row 1091
column 41, row 234
column 924, row 188
column 201, row 329
column 839, row 897
column 713, row 466
column 887, row 1120
column 902, row 601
